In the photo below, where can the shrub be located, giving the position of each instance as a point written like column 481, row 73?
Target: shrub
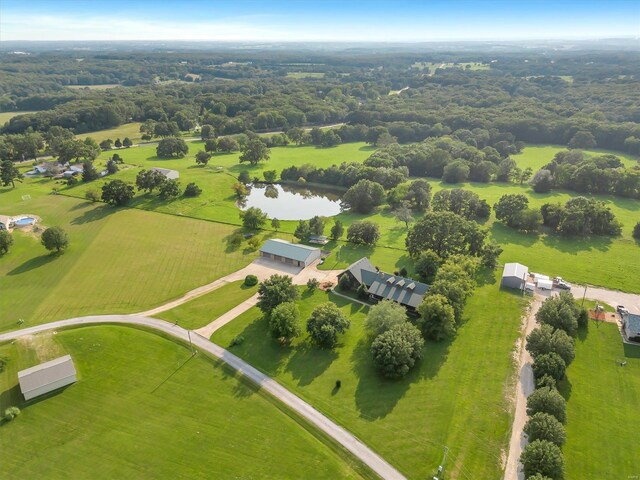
column 11, row 413
column 636, row 231
column 437, row 318
column 344, row 283
column 313, row 284
column 192, row 190
column 396, row 351
column 239, row 340
column 543, row 426
column 92, row 195
column 250, row 280
column 544, row 458
column 364, row 232
column 253, row 243
column 363, row 292
column 325, row 323
column 547, row 400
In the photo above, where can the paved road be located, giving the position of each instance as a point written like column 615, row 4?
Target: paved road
column 339, row 434
column 611, row 297
column 227, row 317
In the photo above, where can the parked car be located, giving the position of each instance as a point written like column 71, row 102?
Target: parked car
column 563, row 285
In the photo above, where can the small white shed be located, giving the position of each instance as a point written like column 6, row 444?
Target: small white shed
column 170, row 174
column 47, row 377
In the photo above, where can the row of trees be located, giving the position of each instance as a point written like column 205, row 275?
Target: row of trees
column 553, row 348
column 578, row 216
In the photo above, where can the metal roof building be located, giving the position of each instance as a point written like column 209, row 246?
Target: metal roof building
column 170, row 174
column 514, row 275
column 290, row 253
column 631, row 326
column 46, row 377
column 384, row 286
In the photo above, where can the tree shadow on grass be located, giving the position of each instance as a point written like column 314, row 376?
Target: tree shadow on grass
column 11, row 397
column 573, row 245
column 97, row 213
column 631, row 351
column 309, row 362
column 33, row 263
column 504, row 235
column 565, row 387
column 486, row 276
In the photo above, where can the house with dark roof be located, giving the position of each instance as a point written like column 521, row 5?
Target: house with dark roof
column 289, row 253
column 47, row 377
column 384, row 286
column 631, row 327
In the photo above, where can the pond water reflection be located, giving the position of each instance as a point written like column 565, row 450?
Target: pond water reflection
column 286, row 202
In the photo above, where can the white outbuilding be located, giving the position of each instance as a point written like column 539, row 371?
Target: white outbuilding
column 514, row 275
column 47, row 377
column 170, row 174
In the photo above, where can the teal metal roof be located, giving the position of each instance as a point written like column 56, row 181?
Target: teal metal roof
column 282, row 248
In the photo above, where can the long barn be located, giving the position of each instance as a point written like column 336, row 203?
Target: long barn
column 47, row 377
column 289, row 253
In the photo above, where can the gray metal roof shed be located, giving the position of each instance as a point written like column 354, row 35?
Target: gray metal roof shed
column 276, row 247
column 46, row 377
column 514, row 275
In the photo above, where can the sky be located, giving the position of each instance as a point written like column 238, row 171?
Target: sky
column 325, row 20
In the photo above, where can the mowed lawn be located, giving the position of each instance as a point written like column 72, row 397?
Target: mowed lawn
column 602, row 408
column 144, row 408
column 118, row 261
column 6, row 116
column 203, row 310
column 458, row 396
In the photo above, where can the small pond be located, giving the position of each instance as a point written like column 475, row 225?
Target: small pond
column 286, row 202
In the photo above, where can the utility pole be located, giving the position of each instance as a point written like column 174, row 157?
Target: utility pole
column 584, row 296
column 193, row 352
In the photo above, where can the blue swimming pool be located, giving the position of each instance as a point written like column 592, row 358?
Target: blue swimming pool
column 23, row 222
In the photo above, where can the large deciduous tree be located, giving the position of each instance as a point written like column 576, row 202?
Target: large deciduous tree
column 437, row 319
column 325, row 324
column 283, row 322
column 383, row 316
column 364, row 196
column 275, row 290
column 172, row 147
column 9, row 173
column 55, row 238
column 364, row 232
column 253, row 218
column 254, row 151
column 544, row 458
column 397, row 350
column 117, row 193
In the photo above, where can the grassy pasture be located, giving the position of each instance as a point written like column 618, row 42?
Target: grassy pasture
column 457, row 396
column 299, row 75
column 203, row 310
column 131, row 130
column 599, row 260
column 104, row 86
column 6, row 116
column 143, row 408
column 119, row 260
column 602, row 406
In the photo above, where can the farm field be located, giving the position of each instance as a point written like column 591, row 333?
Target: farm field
column 143, row 407
column 431, row 67
column 203, row 310
column 305, row 75
column 6, row 116
column 119, row 260
column 131, row 130
column 602, row 403
column 457, row 396
column 104, row 86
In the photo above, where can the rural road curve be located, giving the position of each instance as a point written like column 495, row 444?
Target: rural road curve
column 611, row 297
column 367, row 456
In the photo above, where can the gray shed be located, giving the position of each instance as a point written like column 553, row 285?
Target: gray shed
column 631, row 326
column 514, row 275
column 289, row 253
column 47, row 377
column 170, row 174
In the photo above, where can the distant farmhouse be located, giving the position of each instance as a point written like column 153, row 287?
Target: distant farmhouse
column 514, row 275
column 47, row 377
column 384, row 286
column 170, row 174
column 290, row 253
column 631, row 327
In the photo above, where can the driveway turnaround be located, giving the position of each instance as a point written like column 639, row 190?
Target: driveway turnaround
column 367, row 456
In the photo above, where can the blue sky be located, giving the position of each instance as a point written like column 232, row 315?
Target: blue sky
column 325, row 20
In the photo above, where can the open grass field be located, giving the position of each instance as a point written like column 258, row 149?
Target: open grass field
column 305, row 75
column 458, row 395
column 432, row 66
column 6, row 116
column 144, row 408
column 131, row 130
column 119, row 260
column 602, row 407
column 600, row 260
column 203, row 310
